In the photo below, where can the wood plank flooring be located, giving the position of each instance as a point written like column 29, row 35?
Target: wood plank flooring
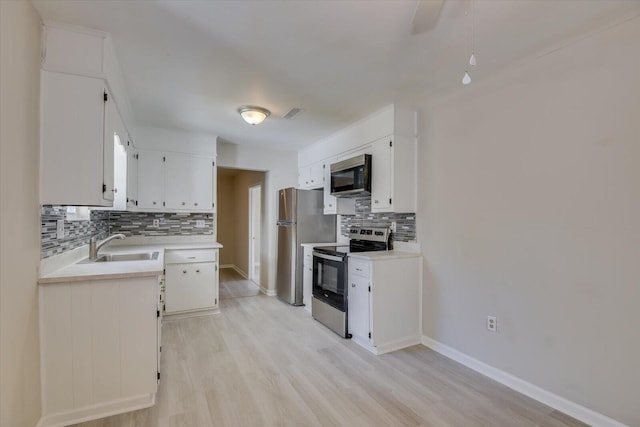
column 233, row 285
column 262, row 362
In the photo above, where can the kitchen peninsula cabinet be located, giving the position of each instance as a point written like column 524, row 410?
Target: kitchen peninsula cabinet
column 384, row 300
column 100, row 343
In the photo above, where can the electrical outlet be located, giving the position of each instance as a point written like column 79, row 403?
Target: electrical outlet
column 156, row 223
column 492, row 323
column 60, row 229
column 199, row 223
column 393, row 226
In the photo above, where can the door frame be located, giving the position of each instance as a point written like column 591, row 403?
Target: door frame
column 255, row 253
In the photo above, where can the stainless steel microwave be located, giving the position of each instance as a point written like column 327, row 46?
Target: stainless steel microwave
column 351, row 177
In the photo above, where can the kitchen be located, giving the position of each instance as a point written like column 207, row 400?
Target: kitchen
column 524, row 207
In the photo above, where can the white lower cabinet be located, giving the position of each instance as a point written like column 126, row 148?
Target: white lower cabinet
column 191, row 281
column 99, row 344
column 307, row 277
column 384, row 302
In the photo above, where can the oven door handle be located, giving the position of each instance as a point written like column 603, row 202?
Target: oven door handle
column 329, row 257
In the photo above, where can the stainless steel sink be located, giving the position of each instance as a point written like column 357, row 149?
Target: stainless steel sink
column 139, row 256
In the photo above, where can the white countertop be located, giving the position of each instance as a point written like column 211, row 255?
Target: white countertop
column 384, row 255
column 75, row 272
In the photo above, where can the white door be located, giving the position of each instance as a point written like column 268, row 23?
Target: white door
column 255, row 214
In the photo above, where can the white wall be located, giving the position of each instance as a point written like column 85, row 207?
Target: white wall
column 281, row 169
column 162, row 139
column 529, row 210
column 19, row 214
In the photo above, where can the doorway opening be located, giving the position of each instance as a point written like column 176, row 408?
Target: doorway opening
column 240, row 230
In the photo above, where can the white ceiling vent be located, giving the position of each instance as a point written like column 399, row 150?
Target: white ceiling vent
column 292, row 113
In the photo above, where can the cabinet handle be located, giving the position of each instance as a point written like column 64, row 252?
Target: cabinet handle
column 154, row 203
column 376, row 201
column 184, row 271
column 191, row 257
column 353, row 285
column 197, row 271
column 115, row 190
column 183, row 203
column 195, row 204
column 358, row 269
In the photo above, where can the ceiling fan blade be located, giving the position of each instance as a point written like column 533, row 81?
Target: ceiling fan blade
column 426, row 15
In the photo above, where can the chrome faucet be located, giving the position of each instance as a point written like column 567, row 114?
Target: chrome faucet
column 94, row 246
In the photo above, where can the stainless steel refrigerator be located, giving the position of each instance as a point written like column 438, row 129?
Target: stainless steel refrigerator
column 300, row 220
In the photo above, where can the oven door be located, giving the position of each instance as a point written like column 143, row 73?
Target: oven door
column 329, row 279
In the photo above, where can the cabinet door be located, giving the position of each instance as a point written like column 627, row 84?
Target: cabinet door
column 177, row 181
column 150, row 167
column 307, row 277
column 72, row 150
column 381, row 158
column 190, row 286
column 304, row 176
column 216, row 285
column 316, row 175
column 330, row 202
column 359, row 306
column 214, row 190
column 111, row 119
column 132, row 179
column 201, row 183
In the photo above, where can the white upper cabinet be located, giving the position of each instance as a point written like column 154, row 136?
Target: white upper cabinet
column 73, row 50
column 177, row 180
column 312, row 176
column 79, row 118
column 382, row 175
column 201, row 185
column 188, row 182
column 132, row 178
column 174, row 182
column 150, row 182
column 390, row 136
column 76, row 142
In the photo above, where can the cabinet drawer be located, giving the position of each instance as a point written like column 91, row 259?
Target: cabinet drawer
column 359, row 268
column 190, row 255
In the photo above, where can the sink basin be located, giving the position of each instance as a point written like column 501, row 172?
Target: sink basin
column 139, row 256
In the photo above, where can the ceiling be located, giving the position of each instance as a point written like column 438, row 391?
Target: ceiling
column 190, row 64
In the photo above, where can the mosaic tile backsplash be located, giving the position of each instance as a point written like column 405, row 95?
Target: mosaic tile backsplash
column 405, row 222
column 104, row 223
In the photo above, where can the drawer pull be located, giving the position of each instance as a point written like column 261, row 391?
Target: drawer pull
column 353, row 285
column 358, row 269
column 184, row 271
column 197, row 271
column 191, row 257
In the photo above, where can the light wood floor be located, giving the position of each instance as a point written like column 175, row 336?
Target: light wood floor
column 264, row 363
column 233, row 285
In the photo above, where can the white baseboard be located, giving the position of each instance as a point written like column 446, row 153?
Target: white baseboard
column 388, row 347
column 102, row 410
column 237, row 269
column 268, row 292
column 566, row 406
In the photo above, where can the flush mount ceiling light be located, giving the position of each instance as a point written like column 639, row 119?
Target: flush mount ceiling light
column 253, row 115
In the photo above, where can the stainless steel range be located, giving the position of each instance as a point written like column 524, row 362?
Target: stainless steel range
column 329, row 304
